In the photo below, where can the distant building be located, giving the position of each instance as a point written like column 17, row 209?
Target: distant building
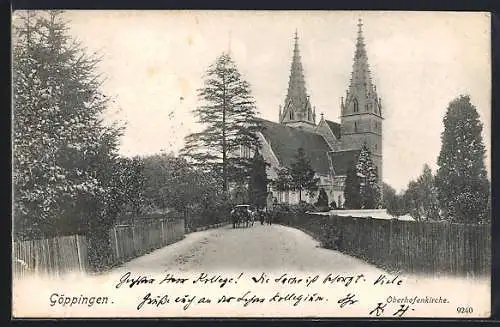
column 332, row 147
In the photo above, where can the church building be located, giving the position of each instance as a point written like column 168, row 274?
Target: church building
column 331, row 147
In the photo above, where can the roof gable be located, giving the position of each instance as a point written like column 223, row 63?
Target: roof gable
column 334, row 127
column 343, row 160
column 285, row 142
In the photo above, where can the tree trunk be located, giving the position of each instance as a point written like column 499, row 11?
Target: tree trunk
column 186, row 224
column 224, row 146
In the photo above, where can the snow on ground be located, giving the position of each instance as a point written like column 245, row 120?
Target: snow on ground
column 227, row 259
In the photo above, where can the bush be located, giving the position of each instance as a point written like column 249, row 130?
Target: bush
column 322, row 198
column 302, row 207
column 322, row 208
column 279, row 211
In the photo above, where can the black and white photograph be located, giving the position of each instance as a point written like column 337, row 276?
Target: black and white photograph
column 204, row 163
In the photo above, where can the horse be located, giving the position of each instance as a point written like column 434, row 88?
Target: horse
column 241, row 218
column 238, row 219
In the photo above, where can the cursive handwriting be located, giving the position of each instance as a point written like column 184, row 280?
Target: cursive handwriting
column 131, row 282
column 384, row 280
column 345, row 280
column 218, row 279
column 347, row 300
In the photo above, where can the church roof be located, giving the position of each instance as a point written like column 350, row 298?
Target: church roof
column 342, row 160
column 285, row 142
column 335, row 127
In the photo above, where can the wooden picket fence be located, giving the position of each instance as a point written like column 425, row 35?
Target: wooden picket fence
column 60, row 255
column 409, row 246
column 130, row 241
column 53, row 256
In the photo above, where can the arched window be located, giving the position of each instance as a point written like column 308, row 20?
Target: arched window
column 355, row 105
column 355, row 126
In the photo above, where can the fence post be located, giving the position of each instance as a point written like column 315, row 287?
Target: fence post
column 78, row 252
column 117, row 253
column 162, row 234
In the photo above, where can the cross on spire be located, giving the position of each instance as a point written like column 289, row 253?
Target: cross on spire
column 360, row 25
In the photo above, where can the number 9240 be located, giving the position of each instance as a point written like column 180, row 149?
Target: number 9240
column 465, row 310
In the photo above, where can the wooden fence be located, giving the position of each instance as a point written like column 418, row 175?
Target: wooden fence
column 414, row 247
column 51, row 256
column 130, row 241
column 56, row 256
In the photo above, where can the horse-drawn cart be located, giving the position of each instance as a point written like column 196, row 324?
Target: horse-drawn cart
column 243, row 215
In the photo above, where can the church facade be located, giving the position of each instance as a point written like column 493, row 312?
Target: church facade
column 332, row 147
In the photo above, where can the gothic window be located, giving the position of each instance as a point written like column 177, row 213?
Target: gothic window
column 291, row 115
column 355, row 104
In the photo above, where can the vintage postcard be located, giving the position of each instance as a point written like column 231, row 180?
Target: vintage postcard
column 251, row 164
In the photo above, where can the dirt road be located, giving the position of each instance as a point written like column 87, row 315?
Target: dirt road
column 260, row 247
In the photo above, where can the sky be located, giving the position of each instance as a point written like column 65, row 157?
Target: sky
column 154, row 63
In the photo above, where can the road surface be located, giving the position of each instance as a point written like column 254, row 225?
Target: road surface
column 240, row 254
column 260, row 247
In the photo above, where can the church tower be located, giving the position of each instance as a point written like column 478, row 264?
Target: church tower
column 297, row 111
column 361, row 118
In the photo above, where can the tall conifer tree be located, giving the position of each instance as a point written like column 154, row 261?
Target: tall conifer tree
column 368, row 180
column 463, row 187
column 227, row 112
column 352, row 195
column 257, row 187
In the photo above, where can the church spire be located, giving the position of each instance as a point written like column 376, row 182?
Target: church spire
column 361, row 95
column 361, row 119
column 360, row 70
column 297, row 107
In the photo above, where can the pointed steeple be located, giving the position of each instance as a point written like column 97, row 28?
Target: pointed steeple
column 297, row 107
column 361, row 95
column 360, row 70
column 361, row 119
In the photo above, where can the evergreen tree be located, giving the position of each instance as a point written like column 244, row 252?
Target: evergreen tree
column 427, row 194
column 302, row 175
column 412, row 200
column 258, row 181
column 462, row 184
column 352, row 193
column 369, row 188
column 228, row 114
column 283, row 180
column 392, row 201
column 60, row 143
column 322, row 199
